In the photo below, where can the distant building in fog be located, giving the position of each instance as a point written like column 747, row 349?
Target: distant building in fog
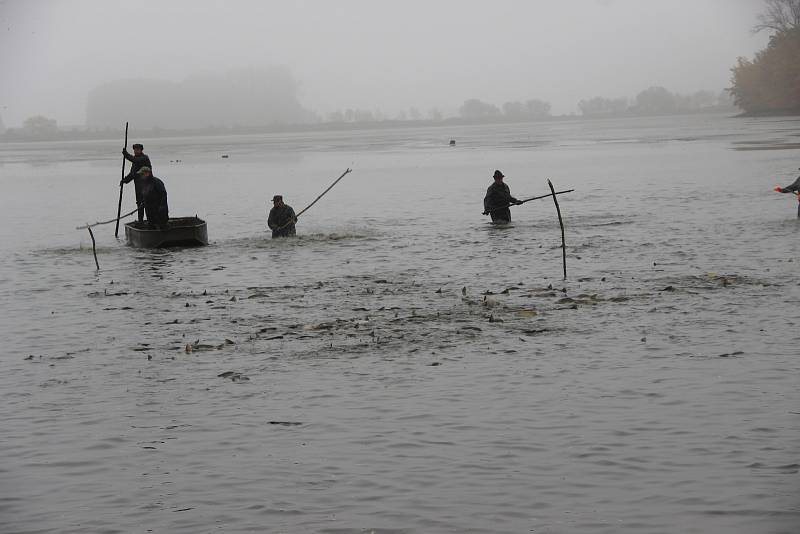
column 245, row 97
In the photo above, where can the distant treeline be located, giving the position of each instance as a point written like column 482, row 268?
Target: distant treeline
column 651, row 101
column 657, row 101
column 265, row 101
column 770, row 83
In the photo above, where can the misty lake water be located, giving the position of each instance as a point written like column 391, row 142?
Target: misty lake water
column 402, row 365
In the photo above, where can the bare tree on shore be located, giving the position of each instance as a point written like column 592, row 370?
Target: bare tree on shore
column 779, row 15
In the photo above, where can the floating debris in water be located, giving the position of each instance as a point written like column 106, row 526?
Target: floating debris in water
column 490, row 302
column 235, row 376
column 197, row 346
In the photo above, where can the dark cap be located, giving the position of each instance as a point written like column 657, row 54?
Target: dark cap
column 138, row 145
column 498, row 174
column 277, row 197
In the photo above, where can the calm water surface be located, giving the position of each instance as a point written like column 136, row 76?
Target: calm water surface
column 403, row 366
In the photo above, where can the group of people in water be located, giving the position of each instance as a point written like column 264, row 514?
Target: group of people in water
column 151, row 197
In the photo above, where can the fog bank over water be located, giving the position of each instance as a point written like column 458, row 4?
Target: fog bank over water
column 373, row 55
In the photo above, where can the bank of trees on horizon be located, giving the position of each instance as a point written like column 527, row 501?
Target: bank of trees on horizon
column 533, row 109
column 770, row 82
column 657, row 100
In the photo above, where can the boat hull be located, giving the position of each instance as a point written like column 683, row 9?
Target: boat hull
column 180, row 232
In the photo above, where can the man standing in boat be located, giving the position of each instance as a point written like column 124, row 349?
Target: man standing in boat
column 281, row 218
column 138, row 160
column 154, row 198
column 497, row 200
column 793, row 188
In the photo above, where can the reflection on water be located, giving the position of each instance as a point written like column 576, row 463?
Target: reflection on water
column 403, row 365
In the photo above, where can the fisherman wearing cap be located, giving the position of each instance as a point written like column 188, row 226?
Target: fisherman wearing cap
column 138, row 160
column 154, row 198
column 281, row 218
column 793, row 188
column 497, row 200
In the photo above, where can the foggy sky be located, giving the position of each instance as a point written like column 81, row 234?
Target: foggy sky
column 374, row 53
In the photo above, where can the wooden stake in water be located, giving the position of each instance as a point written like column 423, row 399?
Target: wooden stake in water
column 94, row 246
column 561, row 223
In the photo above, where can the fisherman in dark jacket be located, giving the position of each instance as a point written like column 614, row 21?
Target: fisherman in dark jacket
column 498, row 198
column 792, row 188
column 281, row 218
column 154, row 198
column 138, row 160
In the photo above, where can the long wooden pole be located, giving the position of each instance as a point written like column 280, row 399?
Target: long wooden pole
column 123, row 216
column 528, row 200
column 119, row 205
column 561, row 223
column 547, row 195
column 345, row 173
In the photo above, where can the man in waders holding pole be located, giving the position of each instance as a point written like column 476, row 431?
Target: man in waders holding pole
column 281, row 218
column 497, row 200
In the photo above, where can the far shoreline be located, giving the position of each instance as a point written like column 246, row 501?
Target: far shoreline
column 12, row 136
column 768, row 113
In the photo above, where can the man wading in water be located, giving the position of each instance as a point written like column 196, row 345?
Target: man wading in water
column 497, row 199
column 793, row 188
column 281, row 218
column 138, row 160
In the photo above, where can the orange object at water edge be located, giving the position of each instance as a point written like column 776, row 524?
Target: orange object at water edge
column 778, row 189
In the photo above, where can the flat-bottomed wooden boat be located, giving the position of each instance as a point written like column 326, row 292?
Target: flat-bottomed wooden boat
column 179, row 232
